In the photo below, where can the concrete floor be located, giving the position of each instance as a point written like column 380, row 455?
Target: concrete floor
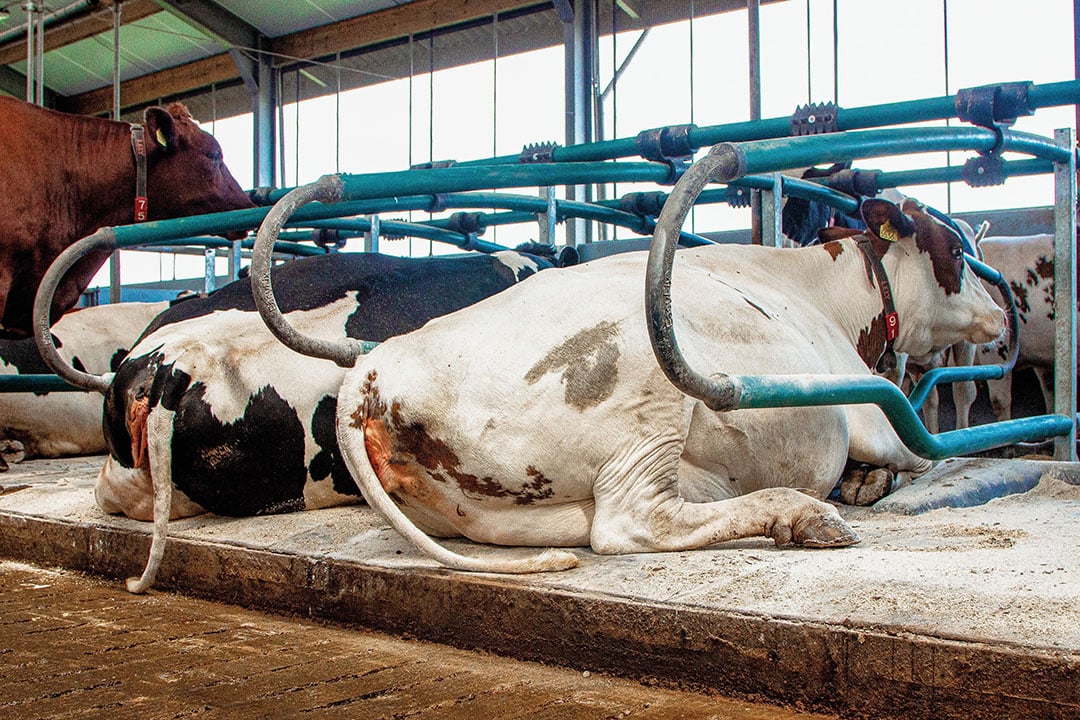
column 969, row 612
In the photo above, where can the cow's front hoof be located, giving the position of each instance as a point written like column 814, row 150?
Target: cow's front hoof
column 863, row 486
column 819, row 530
column 11, row 451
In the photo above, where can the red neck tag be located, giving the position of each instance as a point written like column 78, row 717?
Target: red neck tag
column 892, row 326
column 140, row 208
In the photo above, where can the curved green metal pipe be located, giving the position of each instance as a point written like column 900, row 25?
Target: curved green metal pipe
column 770, row 391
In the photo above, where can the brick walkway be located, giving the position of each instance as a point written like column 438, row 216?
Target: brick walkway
column 78, row 647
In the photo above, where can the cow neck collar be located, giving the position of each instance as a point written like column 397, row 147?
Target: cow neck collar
column 138, row 148
column 876, row 271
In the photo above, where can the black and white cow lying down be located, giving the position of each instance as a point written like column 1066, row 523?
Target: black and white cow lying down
column 540, row 417
column 62, row 424
column 221, row 417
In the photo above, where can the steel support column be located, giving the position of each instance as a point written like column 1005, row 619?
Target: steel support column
column 1065, row 294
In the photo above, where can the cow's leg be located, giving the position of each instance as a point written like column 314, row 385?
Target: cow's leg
column 130, row 492
column 639, row 509
column 1000, row 392
column 11, row 451
column 963, row 392
column 1045, row 376
column 159, row 443
column 881, row 461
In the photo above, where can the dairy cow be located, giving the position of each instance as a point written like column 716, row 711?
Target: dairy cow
column 61, row 424
column 537, row 418
column 1027, row 264
column 64, row 176
column 210, row 412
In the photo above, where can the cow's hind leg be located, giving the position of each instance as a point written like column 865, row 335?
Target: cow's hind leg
column 639, row 509
column 159, row 426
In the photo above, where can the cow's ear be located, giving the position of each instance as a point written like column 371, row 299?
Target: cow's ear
column 160, row 129
column 568, row 256
column 885, row 220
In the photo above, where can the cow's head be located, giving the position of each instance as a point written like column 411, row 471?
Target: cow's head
column 186, row 173
column 939, row 299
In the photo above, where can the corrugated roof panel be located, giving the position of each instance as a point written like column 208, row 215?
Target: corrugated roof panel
column 274, row 19
column 151, row 44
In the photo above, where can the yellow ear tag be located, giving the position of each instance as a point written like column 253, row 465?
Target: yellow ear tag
column 161, row 139
column 888, row 232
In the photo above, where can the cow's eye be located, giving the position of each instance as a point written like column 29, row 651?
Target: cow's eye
column 958, row 253
column 214, row 156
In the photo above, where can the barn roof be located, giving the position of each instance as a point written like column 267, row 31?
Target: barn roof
column 183, row 48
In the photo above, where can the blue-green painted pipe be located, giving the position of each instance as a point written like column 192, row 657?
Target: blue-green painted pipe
column 767, row 156
column 930, row 176
column 427, row 231
column 36, row 384
column 771, row 155
column 910, row 111
column 770, row 391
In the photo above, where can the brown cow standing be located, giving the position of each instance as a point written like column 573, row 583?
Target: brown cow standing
column 64, row 176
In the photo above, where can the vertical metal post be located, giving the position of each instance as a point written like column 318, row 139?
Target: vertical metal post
column 579, row 38
column 753, row 23
column 772, row 204
column 1065, row 293
column 264, row 102
column 210, row 267
column 39, row 63
column 548, row 219
column 234, row 259
column 371, row 238
column 31, row 10
column 115, row 281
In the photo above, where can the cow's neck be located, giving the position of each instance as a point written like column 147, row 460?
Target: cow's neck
column 852, row 297
column 106, row 168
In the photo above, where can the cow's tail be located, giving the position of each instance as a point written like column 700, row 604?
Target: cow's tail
column 159, row 442
column 359, row 463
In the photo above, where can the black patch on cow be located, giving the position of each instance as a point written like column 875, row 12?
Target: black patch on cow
column 328, row 461
column 133, row 379
column 253, row 466
column 589, row 361
column 397, row 295
column 23, row 355
column 117, row 358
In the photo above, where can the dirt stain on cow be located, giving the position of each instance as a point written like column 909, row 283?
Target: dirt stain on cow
column 589, row 365
column 406, row 456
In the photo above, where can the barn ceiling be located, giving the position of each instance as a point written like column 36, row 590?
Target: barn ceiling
column 169, row 47
column 183, row 48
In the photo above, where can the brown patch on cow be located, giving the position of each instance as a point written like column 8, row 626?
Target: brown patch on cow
column 1021, row 297
column 872, row 341
column 940, row 243
column 589, row 361
column 834, row 248
column 1044, row 268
